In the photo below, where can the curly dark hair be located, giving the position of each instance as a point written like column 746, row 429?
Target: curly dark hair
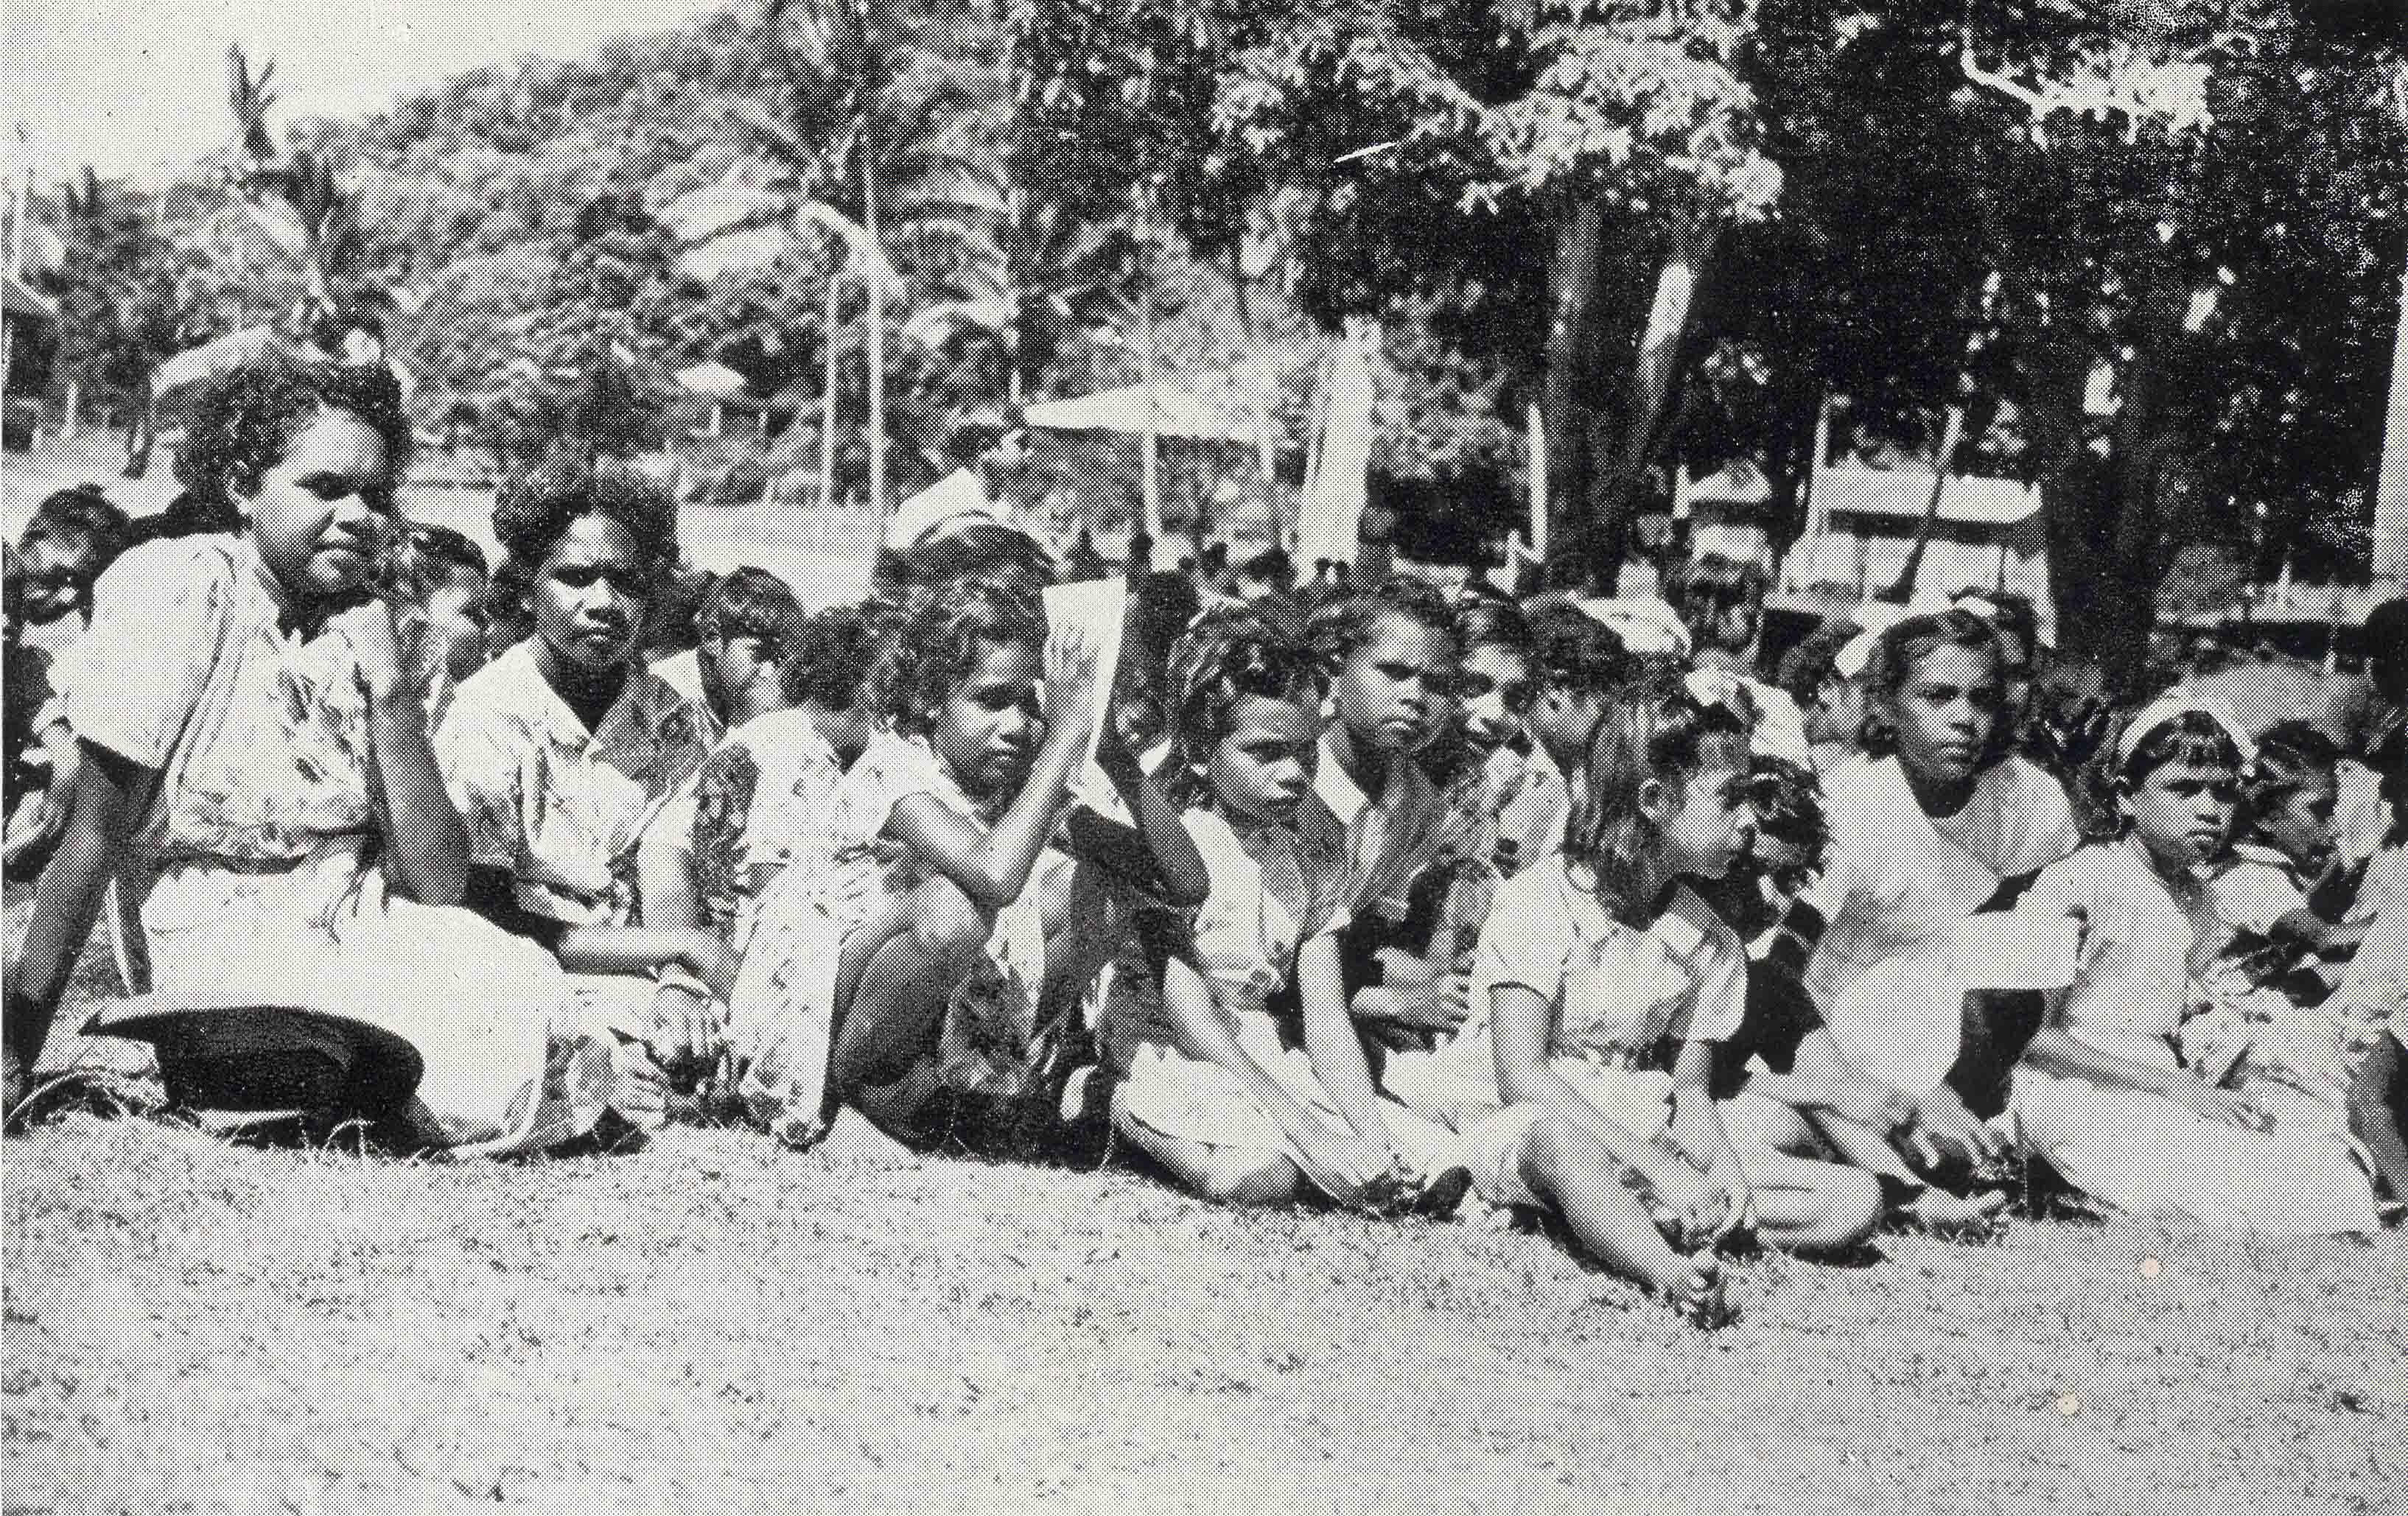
column 2291, row 756
column 1498, row 623
column 1231, row 653
column 1719, row 600
column 1907, row 643
column 82, row 511
column 938, row 642
column 1787, row 801
column 831, row 656
column 244, row 420
column 534, row 507
column 1575, row 650
column 1342, row 624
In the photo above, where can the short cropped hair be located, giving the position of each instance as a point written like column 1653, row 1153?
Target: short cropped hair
column 245, row 421
column 1340, row 625
column 749, row 602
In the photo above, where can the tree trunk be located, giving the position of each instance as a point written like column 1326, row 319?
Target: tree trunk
column 1615, row 491
column 877, row 332
column 2106, row 515
column 1572, row 289
column 1944, row 466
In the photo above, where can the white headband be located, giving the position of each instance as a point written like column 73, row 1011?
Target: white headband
column 1849, row 661
column 2177, row 702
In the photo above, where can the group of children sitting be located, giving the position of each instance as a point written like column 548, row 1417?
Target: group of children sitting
column 1369, row 894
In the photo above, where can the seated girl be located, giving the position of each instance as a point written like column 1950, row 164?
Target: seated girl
column 1926, row 827
column 2280, row 958
column 1605, row 989
column 744, row 627
column 901, row 963
column 1813, row 1102
column 766, row 788
column 1481, row 765
column 2102, row 1094
column 253, row 733
column 560, row 753
column 1234, row 1101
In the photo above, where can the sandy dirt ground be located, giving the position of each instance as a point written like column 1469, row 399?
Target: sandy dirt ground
column 719, row 1325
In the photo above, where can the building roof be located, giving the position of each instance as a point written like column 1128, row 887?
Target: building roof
column 1854, row 489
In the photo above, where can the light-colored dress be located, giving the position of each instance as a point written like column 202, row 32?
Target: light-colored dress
column 260, row 884
column 1625, row 1001
column 557, row 807
column 1274, row 887
column 841, row 872
column 2142, row 1152
column 2249, row 1029
column 1896, row 883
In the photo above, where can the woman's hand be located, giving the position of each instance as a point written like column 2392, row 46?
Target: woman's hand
column 393, row 649
column 2226, row 1107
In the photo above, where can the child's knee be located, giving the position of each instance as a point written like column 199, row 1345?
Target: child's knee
column 1852, row 1204
column 945, row 922
column 1244, row 1179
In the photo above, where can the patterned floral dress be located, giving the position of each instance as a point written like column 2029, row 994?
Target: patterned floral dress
column 840, row 875
column 258, row 855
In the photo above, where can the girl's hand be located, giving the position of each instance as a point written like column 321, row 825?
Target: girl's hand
column 1698, row 1209
column 1871, row 1103
column 1728, row 1181
column 1945, row 1129
column 684, row 1039
column 1072, row 699
column 2227, row 1108
column 1346, row 1168
column 40, row 821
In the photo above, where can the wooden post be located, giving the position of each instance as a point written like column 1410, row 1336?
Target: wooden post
column 2390, row 544
column 1538, row 465
column 827, row 401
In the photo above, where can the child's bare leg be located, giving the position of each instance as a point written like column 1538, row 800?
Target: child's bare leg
column 892, row 1017
column 2378, row 1111
column 1224, row 1175
column 1806, row 1205
column 1584, row 1184
column 1080, row 939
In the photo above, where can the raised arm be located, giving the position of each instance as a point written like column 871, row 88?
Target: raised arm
column 423, row 831
column 992, row 866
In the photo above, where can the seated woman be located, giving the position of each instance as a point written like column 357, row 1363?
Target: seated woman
column 253, row 733
column 561, row 752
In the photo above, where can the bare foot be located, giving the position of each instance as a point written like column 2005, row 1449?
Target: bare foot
column 1942, row 1214
column 1697, row 1294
